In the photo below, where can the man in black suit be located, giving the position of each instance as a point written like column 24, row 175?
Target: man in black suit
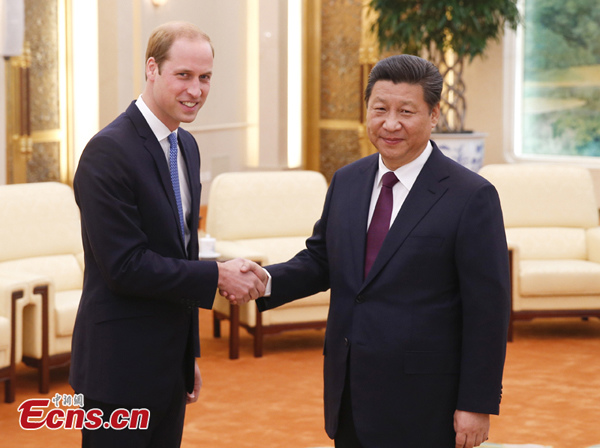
column 416, row 333
column 138, row 188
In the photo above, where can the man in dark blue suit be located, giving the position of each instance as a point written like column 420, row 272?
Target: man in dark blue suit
column 416, row 333
column 138, row 188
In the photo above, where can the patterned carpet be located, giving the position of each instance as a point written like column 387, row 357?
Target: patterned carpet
column 551, row 392
column 508, row 445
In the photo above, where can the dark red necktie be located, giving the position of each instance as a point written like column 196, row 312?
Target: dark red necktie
column 380, row 222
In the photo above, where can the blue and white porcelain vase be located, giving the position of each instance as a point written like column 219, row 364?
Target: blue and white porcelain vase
column 466, row 148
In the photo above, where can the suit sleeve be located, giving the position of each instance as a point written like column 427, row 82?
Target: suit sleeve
column 483, row 270
column 108, row 189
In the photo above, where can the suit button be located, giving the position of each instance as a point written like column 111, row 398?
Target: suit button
column 360, row 299
column 346, row 342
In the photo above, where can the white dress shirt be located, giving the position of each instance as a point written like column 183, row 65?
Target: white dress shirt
column 162, row 135
column 406, row 174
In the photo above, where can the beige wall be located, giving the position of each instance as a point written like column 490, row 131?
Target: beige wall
column 223, row 125
column 2, row 126
column 485, row 101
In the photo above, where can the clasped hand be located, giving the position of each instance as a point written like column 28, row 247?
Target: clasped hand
column 241, row 280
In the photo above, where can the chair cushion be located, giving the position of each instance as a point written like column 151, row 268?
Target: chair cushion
column 66, row 304
column 547, row 243
column 559, row 277
column 318, row 299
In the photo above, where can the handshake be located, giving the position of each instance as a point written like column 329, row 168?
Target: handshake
column 241, row 281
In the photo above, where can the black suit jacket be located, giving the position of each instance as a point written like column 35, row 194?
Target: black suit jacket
column 136, row 332
column 425, row 333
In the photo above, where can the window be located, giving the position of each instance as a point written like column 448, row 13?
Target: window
column 558, row 90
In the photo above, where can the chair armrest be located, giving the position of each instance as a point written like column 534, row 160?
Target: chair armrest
column 32, row 280
column 29, row 283
column 593, row 244
column 8, row 288
column 232, row 249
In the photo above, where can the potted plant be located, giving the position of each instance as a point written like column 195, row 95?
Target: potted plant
column 448, row 33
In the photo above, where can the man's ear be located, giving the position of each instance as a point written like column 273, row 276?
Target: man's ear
column 151, row 68
column 435, row 114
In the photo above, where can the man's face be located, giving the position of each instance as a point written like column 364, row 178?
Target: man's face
column 176, row 93
column 399, row 123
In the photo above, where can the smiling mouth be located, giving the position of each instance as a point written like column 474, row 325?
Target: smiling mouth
column 391, row 140
column 189, row 103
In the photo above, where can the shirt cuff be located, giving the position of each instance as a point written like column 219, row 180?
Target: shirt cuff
column 268, row 286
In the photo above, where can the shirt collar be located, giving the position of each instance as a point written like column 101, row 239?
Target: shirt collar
column 406, row 174
column 158, row 127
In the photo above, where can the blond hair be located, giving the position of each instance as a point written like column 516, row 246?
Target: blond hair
column 163, row 36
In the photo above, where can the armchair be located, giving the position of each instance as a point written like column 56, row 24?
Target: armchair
column 15, row 293
column 11, row 292
column 266, row 217
column 40, row 235
column 552, row 229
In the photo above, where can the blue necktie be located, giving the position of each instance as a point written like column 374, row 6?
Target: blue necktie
column 175, row 177
column 380, row 222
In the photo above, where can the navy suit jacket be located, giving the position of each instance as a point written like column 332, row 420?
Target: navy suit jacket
column 425, row 333
column 136, row 331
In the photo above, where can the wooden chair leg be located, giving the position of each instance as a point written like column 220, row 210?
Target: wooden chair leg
column 234, row 331
column 510, row 317
column 44, row 366
column 10, row 383
column 258, row 336
column 9, row 390
column 216, row 325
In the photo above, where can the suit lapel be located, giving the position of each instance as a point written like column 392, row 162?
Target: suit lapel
column 153, row 147
column 359, row 197
column 426, row 191
column 193, row 173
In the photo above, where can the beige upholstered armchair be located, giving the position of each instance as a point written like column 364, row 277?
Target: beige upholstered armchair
column 553, row 233
column 16, row 292
column 12, row 293
column 266, row 217
column 40, row 236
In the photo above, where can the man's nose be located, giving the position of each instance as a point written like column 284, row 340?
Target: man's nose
column 195, row 88
column 392, row 122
